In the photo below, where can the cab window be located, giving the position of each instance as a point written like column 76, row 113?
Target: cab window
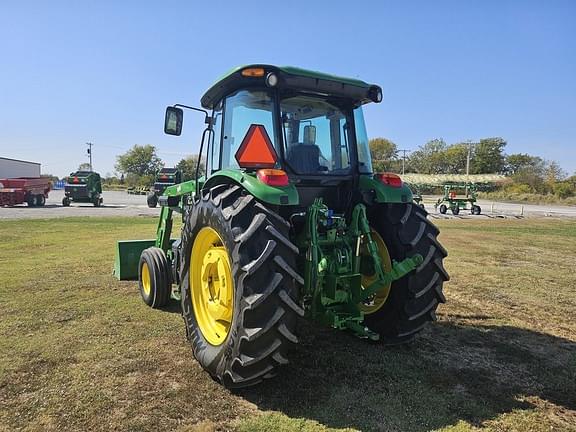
column 242, row 109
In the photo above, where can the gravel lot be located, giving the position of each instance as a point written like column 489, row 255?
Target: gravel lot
column 115, row 204
column 121, row 204
column 506, row 209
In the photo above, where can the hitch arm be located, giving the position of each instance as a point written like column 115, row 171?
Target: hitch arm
column 399, row 270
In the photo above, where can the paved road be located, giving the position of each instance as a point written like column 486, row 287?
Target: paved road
column 122, row 204
column 115, row 204
column 494, row 208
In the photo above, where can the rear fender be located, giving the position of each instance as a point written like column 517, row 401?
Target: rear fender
column 374, row 191
column 275, row 195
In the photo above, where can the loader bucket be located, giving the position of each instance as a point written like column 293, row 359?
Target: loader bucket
column 127, row 257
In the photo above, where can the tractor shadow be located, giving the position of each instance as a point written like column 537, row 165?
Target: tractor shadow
column 451, row 372
column 172, row 306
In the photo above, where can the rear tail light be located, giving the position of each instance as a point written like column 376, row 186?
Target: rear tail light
column 272, row 177
column 389, row 179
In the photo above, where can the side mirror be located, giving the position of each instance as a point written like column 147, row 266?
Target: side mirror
column 173, row 121
column 309, row 135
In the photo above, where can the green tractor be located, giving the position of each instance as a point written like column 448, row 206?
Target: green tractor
column 290, row 221
column 451, row 200
column 83, row 187
column 166, row 177
column 416, row 196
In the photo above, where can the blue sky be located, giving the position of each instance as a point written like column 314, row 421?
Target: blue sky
column 103, row 71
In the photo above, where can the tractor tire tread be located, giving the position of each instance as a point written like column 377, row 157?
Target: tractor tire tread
column 262, row 262
column 413, row 299
column 254, row 265
column 291, row 303
column 275, row 233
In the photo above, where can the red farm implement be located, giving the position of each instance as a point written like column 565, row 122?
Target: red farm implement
column 32, row 191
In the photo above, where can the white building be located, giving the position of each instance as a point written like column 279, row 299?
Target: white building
column 11, row 168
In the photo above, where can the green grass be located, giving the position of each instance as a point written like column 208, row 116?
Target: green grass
column 80, row 351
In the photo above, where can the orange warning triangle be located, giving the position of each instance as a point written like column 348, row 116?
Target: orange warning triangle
column 256, row 150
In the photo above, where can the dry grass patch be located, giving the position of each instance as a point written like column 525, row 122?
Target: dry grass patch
column 80, row 351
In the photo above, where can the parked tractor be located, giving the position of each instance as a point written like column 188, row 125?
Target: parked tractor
column 290, row 221
column 416, row 196
column 83, row 187
column 165, row 177
column 451, row 200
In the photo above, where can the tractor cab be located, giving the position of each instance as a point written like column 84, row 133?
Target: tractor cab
column 302, row 127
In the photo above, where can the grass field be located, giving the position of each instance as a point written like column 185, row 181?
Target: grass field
column 80, row 351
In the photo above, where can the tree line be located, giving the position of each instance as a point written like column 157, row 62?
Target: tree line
column 527, row 173
column 139, row 166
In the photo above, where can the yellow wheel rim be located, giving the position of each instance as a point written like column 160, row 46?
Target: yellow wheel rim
column 377, row 301
column 211, row 286
column 146, row 279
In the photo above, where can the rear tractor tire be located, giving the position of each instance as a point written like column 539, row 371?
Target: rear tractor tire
column 154, row 277
column 40, row 200
column 412, row 300
column 239, row 286
column 456, row 210
column 97, row 200
column 66, row 202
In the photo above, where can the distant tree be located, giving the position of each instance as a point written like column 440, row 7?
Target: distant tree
column 553, row 173
column 187, row 167
column 455, row 158
column 529, row 170
column 564, row 189
column 429, row 158
column 488, row 156
column 384, row 154
column 140, row 160
column 84, row 166
column 518, row 161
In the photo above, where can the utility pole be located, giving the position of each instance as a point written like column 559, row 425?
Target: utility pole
column 468, row 160
column 468, row 164
column 403, row 158
column 89, row 150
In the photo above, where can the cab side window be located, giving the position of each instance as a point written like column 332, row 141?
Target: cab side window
column 242, row 109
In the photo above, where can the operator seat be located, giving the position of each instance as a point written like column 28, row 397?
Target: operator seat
column 304, row 158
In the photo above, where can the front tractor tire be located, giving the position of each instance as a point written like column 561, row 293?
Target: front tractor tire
column 154, row 277
column 239, row 286
column 152, row 200
column 412, row 300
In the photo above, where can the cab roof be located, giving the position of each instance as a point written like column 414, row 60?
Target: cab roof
column 83, row 173
column 294, row 78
